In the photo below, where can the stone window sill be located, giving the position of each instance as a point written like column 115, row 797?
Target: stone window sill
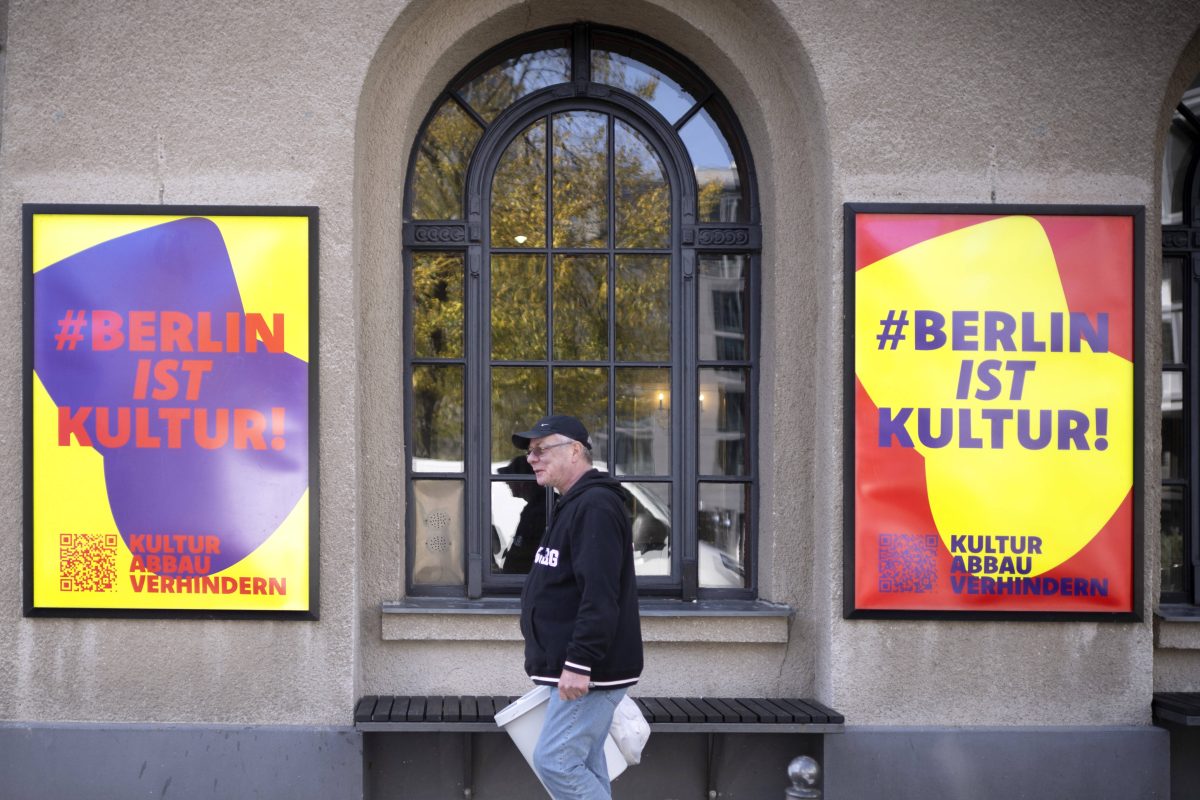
column 1177, row 627
column 495, row 619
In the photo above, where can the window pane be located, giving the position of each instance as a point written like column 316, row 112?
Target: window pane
column 581, row 308
column 441, row 165
column 582, row 392
column 509, row 81
column 1172, row 310
column 642, row 440
column 580, row 179
column 723, row 417
column 643, row 196
column 717, row 177
column 1177, row 156
column 437, row 418
column 518, row 401
column 438, row 541
column 650, row 508
column 1174, row 449
column 663, row 93
column 518, row 518
column 722, row 525
column 519, row 191
column 1173, row 573
column 437, row 305
column 643, row 308
column 518, row 307
column 723, row 317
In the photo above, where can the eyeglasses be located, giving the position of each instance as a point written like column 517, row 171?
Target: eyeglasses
column 540, row 450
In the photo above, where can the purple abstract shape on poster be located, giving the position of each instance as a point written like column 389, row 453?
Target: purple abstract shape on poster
column 239, row 495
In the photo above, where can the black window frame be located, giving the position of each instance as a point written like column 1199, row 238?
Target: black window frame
column 469, row 236
column 1182, row 241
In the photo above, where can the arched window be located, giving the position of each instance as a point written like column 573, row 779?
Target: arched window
column 1181, row 336
column 581, row 236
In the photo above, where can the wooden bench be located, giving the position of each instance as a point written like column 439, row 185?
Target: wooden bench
column 1178, row 708
column 703, row 715
column 399, row 713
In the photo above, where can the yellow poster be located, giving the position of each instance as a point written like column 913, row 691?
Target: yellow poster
column 170, row 376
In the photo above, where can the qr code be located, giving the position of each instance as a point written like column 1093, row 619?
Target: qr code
column 907, row 562
column 87, row 562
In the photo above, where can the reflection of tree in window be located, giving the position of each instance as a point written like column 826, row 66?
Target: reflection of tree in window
column 581, row 299
column 504, row 84
column 441, row 163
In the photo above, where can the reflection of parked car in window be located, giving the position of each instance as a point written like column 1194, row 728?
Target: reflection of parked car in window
column 651, row 526
column 717, row 570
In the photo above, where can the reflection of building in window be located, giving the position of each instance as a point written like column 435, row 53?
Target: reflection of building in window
column 727, row 319
column 1172, row 385
column 724, row 185
column 634, row 446
column 1177, row 157
column 722, row 319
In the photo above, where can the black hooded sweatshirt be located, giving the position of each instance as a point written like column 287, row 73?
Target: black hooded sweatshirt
column 579, row 607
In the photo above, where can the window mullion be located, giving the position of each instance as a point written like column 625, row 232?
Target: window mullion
column 1191, row 344
column 549, row 298
column 478, row 421
column 581, row 54
column 684, row 356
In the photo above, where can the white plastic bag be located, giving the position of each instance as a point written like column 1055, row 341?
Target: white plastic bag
column 629, row 730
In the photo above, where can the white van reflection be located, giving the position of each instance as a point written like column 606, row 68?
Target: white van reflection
column 513, row 517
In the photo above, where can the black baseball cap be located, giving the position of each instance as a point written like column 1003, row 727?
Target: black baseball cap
column 555, row 423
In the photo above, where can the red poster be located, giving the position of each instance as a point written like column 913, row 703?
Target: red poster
column 993, row 422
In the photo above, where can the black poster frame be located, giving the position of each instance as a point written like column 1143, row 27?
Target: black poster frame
column 1136, row 214
column 311, row 214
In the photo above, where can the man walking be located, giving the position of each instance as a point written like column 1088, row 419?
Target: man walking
column 579, row 609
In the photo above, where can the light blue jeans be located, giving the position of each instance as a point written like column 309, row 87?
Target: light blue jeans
column 569, row 756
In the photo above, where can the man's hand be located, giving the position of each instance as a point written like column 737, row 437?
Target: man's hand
column 572, row 685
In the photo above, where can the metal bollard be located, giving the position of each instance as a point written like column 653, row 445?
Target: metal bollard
column 803, row 772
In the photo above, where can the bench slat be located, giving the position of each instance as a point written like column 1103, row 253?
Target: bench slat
column 469, row 709
column 1180, row 708
column 416, row 710
column 711, row 714
column 383, row 709
column 364, row 708
column 688, row 705
column 451, row 710
column 784, row 712
column 433, row 709
column 806, row 710
column 487, row 709
column 399, row 709
column 1181, row 701
column 657, row 712
column 671, row 704
column 729, row 713
column 829, row 713
column 753, row 714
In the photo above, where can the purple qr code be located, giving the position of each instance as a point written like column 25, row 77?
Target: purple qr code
column 907, row 562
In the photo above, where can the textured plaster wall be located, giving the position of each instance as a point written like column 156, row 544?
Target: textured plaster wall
column 1023, row 102
column 207, row 103
column 318, row 103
